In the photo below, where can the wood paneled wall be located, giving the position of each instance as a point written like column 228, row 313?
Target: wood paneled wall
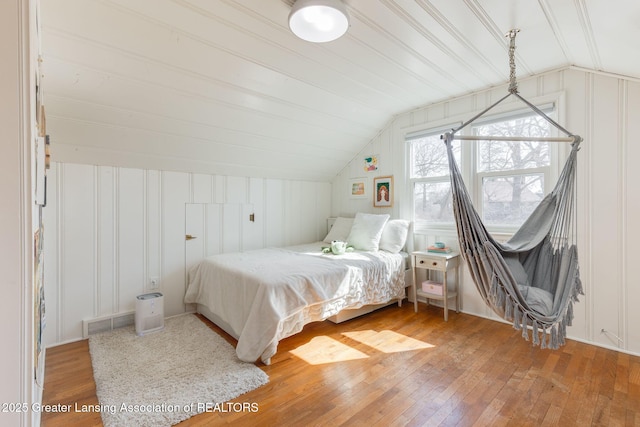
column 604, row 110
column 110, row 230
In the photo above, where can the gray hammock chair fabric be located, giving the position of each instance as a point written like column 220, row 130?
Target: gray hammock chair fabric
column 534, row 278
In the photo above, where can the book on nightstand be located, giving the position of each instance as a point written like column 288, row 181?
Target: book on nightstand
column 436, row 250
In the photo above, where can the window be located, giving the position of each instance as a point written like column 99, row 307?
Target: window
column 507, row 179
column 512, row 173
column 429, row 173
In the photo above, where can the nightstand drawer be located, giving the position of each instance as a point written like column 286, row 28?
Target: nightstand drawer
column 431, row 263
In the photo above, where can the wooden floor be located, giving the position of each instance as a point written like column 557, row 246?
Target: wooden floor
column 395, row 368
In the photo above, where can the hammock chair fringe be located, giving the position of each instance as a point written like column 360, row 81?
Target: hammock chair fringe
column 554, row 337
column 508, row 308
column 516, row 317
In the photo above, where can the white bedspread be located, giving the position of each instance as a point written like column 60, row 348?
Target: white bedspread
column 269, row 294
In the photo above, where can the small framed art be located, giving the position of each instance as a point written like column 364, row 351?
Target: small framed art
column 371, row 163
column 383, row 191
column 358, row 188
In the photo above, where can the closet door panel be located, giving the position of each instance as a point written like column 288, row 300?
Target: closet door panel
column 236, row 189
column 253, row 231
column 232, row 232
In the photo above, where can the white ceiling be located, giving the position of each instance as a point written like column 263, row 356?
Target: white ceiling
column 223, row 87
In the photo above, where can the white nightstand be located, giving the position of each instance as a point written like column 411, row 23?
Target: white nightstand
column 432, row 261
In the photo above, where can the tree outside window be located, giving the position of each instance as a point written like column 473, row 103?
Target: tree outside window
column 512, row 172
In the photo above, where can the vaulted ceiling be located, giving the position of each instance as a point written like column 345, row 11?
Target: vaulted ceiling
column 223, row 86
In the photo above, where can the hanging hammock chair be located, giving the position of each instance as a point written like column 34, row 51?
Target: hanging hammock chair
column 533, row 279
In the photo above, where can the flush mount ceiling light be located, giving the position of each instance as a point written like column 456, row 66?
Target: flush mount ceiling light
column 318, row 21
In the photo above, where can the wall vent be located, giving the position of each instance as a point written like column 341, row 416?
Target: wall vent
column 107, row 323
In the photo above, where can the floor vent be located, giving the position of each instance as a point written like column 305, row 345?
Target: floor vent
column 107, row 323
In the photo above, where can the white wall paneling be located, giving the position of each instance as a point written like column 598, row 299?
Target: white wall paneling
column 274, row 213
column 78, row 265
column 107, row 211
column 176, row 191
column 202, row 187
column 231, row 238
column 597, row 106
column 631, row 226
column 605, row 185
column 131, row 237
column 153, row 225
column 111, row 229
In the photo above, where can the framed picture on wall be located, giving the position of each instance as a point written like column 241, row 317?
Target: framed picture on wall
column 383, row 191
column 358, row 188
column 371, row 163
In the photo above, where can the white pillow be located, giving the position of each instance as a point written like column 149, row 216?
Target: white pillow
column 366, row 231
column 394, row 235
column 340, row 230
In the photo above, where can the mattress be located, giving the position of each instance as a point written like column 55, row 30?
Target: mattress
column 266, row 295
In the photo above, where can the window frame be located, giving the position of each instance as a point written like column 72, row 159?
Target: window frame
column 423, row 226
column 473, row 178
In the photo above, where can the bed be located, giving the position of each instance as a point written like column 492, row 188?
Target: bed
column 263, row 296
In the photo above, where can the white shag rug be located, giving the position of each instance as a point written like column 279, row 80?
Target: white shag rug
column 165, row 377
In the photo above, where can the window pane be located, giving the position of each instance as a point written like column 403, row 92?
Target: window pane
column 429, row 157
column 432, row 202
column 509, row 200
column 505, row 155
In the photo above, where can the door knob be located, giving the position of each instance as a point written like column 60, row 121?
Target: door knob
column 190, row 237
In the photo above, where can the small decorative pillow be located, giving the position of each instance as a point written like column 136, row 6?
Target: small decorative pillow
column 366, row 231
column 538, row 299
column 394, row 235
column 340, row 230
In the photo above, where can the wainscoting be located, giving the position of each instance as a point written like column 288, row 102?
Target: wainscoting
column 110, row 230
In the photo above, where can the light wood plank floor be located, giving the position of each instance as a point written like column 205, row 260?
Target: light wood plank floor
column 395, row 368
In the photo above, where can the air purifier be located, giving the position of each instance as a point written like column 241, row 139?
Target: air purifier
column 149, row 313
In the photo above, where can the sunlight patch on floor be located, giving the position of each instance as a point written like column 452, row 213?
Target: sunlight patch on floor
column 324, row 349
column 387, row 341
